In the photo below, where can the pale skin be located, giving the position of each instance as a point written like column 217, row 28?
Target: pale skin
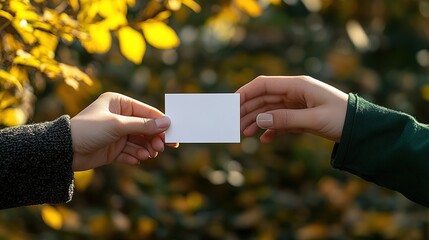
column 282, row 104
column 117, row 128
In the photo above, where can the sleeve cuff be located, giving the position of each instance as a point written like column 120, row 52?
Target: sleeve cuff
column 340, row 149
column 36, row 164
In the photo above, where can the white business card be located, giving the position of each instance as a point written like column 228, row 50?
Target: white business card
column 203, row 118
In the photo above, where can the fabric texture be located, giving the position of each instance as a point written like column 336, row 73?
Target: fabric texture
column 386, row 147
column 36, row 164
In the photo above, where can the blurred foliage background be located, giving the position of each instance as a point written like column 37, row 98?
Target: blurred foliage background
column 57, row 56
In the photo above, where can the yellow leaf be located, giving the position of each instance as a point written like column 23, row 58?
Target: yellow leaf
column 45, row 27
column 251, row 7
column 25, row 30
column 99, row 40
column 43, row 52
column 108, row 8
column 26, row 59
column 6, row 15
column 28, row 14
column 74, row 4
column 88, row 12
column 114, row 22
column 132, row 44
column 68, row 21
column 160, row 35
column 13, row 117
column 162, row 15
column 174, row 5
column 74, row 73
column 20, row 74
column 52, row 70
column 52, row 217
column 50, row 15
column 192, row 5
column 7, row 78
column 16, row 6
column 131, row 3
column 83, row 179
column 69, row 38
column 7, row 100
column 72, row 83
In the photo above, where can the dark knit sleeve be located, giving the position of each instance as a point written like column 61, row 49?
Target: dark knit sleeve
column 36, row 164
column 386, row 147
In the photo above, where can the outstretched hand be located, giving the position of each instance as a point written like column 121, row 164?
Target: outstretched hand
column 116, row 128
column 283, row 104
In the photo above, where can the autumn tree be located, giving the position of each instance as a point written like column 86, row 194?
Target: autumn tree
column 287, row 190
column 30, row 32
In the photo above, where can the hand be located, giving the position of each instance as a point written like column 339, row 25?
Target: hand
column 116, row 128
column 283, row 104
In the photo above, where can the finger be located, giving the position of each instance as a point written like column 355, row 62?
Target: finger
column 289, row 119
column 251, row 130
column 140, row 109
column 144, row 142
column 157, row 144
column 173, row 145
column 272, row 85
column 258, row 102
column 152, row 152
column 250, row 118
column 145, row 126
column 136, row 151
column 269, row 135
column 143, row 154
column 127, row 106
column 127, row 159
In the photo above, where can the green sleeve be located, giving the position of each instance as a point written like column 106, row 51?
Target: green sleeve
column 386, row 147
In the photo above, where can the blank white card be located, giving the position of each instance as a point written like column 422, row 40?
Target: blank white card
column 203, row 118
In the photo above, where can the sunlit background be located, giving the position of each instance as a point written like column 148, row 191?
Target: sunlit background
column 285, row 190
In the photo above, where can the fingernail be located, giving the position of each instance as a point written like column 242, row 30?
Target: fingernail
column 162, row 122
column 264, row 120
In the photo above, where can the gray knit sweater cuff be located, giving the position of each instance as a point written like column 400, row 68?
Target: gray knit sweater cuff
column 36, row 164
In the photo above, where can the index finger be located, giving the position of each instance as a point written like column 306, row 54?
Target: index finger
column 132, row 107
column 271, row 85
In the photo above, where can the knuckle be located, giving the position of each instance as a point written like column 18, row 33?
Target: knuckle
column 261, row 78
column 148, row 124
column 106, row 94
column 282, row 119
column 304, row 78
column 114, row 121
column 109, row 95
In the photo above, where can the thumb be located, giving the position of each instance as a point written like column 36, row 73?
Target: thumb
column 286, row 119
column 146, row 126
